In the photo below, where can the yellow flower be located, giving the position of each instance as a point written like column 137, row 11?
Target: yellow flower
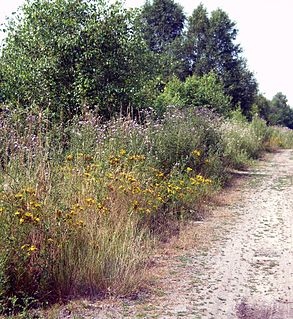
column 19, row 196
column 130, row 178
column 69, row 157
column 194, row 181
column 90, row 201
column 189, row 169
column 135, row 204
column 29, row 248
column 80, row 223
column 110, row 175
column 27, row 214
column 32, row 248
column 121, row 187
column 114, row 160
column 136, row 158
column 159, row 197
column 102, row 208
column 196, row 153
column 202, row 179
column 37, row 205
column 136, row 190
column 160, row 174
column 77, row 207
column 122, row 152
column 21, row 220
column 30, row 190
column 148, row 191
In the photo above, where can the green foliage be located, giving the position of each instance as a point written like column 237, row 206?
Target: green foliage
column 237, row 116
column 263, row 106
column 210, row 46
column 262, row 132
column 206, row 91
column 76, row 218
column 244, row 141
column 163, row 21
column 281, row 113
column 64, row 55
column 198, row 41
column 76, row 223
column 275, row 112
column 183, row 132
column 281, row 137
column 81, row 197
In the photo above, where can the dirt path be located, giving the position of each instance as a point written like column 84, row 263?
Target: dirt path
column 247, row 272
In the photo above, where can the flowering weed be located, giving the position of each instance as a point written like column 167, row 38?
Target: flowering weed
column 80, row 205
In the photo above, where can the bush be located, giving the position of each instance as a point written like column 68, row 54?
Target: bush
column 64, row 56
column 206, row 91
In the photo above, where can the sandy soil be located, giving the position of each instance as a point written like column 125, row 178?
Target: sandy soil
column 242, row 265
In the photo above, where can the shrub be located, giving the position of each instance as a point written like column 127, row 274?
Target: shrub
column 206, row 91
column 64, row 56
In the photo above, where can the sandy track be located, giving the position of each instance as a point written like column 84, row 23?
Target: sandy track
column 251, row 275
column 247, row 272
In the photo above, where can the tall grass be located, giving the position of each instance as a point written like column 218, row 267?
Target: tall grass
column 243, row 141
column 81, row 203
column 280, row 137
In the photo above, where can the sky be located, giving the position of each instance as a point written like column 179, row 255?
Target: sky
column 265, row 35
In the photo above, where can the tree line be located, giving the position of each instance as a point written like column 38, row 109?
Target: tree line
column 65, row 56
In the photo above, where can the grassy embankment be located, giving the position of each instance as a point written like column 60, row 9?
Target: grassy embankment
column 80, row 204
